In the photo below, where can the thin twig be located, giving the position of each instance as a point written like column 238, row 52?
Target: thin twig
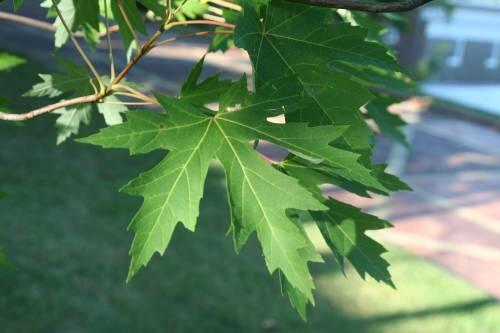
column 131, row 103
column 50, row 108
column 91, row 82
column 108, row 40
column 126, row 94
column 42, row 25
column 148, row 45
column 202, row 22
column 194, row 34
column 27, row 21
column 168, row 4
column 78, row 47
column 133, row 93
column 142, row 52
column 129, row 25
column 136, row 94
column 77, row 101
column 214, row 18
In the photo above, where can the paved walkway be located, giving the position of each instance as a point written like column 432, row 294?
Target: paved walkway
column 452, row 218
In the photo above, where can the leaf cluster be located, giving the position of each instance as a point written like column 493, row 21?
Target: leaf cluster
column 318, row 71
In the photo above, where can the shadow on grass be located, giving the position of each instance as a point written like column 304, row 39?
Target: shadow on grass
column 464, row 308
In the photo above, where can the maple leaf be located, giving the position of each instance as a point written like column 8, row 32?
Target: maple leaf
column 282, row 40
column 259, row 195
column 70, row 120
column 310, row 69
column 344, row 226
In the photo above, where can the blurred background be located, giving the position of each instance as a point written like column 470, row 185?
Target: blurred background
column 63, row 226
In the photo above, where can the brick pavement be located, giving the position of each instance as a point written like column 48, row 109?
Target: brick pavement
column 453, row 217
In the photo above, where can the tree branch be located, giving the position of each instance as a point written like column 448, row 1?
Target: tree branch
column 367, row 5
column 194, row 34
column 129, row 25
column 50, row 108
column 42, row 25
column 108, row 41
column 202, row 22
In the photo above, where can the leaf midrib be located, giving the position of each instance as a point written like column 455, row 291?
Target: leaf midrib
column 263, row 210
column 165, row 204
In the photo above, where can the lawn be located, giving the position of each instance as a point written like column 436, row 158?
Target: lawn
column 63, row 229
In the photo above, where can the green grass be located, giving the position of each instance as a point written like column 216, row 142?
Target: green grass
column 63, row 228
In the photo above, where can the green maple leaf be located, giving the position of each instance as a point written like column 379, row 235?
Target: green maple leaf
column 284, row 32
column 70, row 120
column 73, row 80
column 297, row 298
column 259, row 195
column 283, row 40
column 329, row 71
column 344, row 226
column 112, row 109
column 331, row 63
